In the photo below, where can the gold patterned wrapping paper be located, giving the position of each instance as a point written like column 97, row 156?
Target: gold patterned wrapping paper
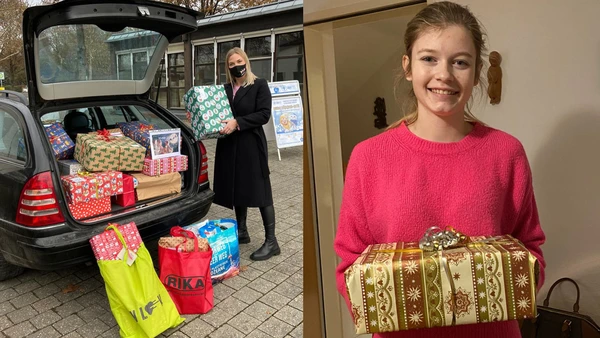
column 397, row 286
column 97, row 152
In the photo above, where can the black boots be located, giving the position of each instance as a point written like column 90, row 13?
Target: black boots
column 240, row 215
column 270, row 247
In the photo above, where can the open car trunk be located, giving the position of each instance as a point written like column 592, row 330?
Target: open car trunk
column 107, row 117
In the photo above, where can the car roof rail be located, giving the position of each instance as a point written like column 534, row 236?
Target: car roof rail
column 9, row 93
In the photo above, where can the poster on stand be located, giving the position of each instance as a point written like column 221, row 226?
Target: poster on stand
column 288, row 121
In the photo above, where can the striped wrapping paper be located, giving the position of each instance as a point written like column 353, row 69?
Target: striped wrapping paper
column 397, row 286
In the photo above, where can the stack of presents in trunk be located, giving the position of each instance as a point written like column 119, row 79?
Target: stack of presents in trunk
column 117, row 167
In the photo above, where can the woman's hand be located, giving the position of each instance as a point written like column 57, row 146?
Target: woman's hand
column 230, row 126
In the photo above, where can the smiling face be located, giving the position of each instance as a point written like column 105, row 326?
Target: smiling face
column 443, row 70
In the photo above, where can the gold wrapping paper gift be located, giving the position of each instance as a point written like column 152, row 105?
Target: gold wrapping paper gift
column 156, row 186
column 173, row 242
column 100, row 151
column 397, row 286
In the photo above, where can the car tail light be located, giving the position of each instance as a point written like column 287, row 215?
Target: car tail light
column 38, row 205
column 203, row 172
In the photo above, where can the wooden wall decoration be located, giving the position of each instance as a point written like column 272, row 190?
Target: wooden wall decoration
column 494, row 75
column 381, row 121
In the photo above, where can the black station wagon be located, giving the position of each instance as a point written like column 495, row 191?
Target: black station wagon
column 90, row 65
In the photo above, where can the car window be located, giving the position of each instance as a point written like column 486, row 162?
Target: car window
column 113, row 115
column 12, row 140
column 150, row 117
column 59, row 116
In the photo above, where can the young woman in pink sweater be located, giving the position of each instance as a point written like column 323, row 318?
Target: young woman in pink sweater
column 439, row 165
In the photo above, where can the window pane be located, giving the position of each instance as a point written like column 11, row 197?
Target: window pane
column 113, row 115
column 289, row 69
column 175, row 97
column 204, row 54
column 224, row 47
column 262, row 68
column 140, row 63
column 125, row 67
column 150, row 117
column 205, row 75
column 257, row 47
column 12, row 141
column 176, row 77
column 176, row 59
column 289, row 44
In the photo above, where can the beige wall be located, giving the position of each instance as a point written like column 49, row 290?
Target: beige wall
column 368, row 51
column 551, row 102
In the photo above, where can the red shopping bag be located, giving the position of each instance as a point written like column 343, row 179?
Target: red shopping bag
column 186, row 275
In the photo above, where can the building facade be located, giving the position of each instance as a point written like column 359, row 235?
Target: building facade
column 271, row 35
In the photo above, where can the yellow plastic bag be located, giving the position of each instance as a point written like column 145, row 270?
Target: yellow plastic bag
column 139, row 301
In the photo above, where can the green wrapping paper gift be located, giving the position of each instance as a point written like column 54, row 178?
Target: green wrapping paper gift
column 206, row 107
column 99, row 151
column 403, row 286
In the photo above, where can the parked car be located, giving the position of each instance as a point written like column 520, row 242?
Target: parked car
column 97, row 60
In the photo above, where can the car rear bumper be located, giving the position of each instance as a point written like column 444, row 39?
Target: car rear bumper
column 41, row 251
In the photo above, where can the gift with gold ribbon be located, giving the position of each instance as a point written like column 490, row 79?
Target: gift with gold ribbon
column 84, row 186
column 445, row 279
column 101, row 151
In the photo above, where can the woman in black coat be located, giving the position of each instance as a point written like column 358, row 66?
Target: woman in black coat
column 241, row 177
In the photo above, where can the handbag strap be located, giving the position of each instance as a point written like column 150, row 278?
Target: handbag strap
column 178, row 231
column 564, row 279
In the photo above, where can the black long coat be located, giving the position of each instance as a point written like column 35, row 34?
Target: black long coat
column 241, row 176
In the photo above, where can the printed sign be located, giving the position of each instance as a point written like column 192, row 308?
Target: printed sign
column 288, row 121
column 284, row 88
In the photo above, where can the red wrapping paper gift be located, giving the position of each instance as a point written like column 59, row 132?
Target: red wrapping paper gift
column 85, row 187
column 127, row 198
column 106, row 246
column 89, row 209
column 165, row 165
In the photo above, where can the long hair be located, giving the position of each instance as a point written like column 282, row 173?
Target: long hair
column 438, row 16
column 250, row 77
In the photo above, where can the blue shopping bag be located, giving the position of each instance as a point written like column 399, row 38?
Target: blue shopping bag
column 222, row 237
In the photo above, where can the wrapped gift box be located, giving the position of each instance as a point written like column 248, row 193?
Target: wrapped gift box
column 101, row 152
column 69, row 167
column 156, row 186
column 106, row 246
column 139, row 132
column 127, row 198
column 21, row 149
column 94, row 207
column 62, row 145
column 206, row 107
column 397, row 286
column 85, row 187
column 165, row 165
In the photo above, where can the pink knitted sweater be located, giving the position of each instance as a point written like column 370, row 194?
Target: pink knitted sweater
column 397, row 185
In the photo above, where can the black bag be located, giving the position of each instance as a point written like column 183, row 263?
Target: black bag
column 555, row 323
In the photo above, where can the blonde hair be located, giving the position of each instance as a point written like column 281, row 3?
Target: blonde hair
column 250, row 77
column 438, row 16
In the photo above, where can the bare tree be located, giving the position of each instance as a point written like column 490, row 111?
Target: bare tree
column 11, row 45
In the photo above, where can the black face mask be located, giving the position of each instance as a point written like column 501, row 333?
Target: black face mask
column 238, row 71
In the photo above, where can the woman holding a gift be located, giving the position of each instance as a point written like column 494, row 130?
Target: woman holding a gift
column 241, row 165
column 439, row 166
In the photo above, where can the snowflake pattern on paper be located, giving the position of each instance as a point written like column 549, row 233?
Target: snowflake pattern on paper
column 522, row 280
column 416, row 317
column 411, row 267
column 523, row 303
column 414, row 293
column 456, row 258
column 519, row 255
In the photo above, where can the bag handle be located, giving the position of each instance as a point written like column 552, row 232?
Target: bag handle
column 564, row 279
column 113, row 227
column 178, row 231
